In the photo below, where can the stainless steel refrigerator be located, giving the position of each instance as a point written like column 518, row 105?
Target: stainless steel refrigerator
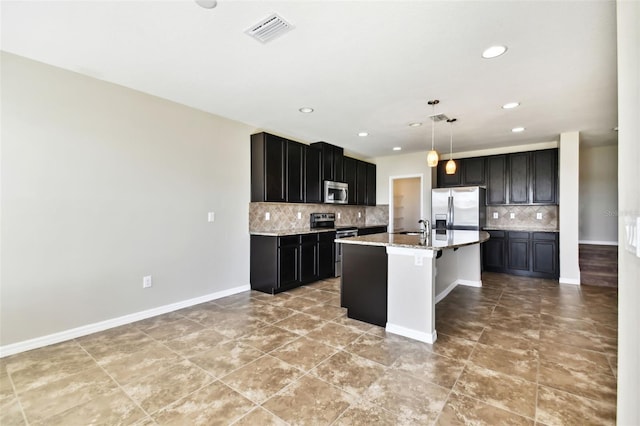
column 458, row 208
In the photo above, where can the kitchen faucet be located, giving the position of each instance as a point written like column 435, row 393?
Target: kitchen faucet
column 425, row 227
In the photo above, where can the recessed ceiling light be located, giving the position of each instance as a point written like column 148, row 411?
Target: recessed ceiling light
column 517, row 129
column 416, row 124
column 363, row 134
column 306, row 110
column 397, row 148
column 494, row 51
column 510, row 105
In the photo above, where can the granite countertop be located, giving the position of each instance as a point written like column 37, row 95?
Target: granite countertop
column 520, row 228
column 285, row 232
column 436, row 241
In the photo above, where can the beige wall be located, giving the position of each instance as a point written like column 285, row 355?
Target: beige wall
column 102, row 185
column 599, row 195
column 629, row 210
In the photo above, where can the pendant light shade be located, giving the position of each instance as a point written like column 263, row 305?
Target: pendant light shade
column 450, row 168
column 432, row 156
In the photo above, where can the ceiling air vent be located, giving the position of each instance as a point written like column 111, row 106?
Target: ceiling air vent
column 268, row 29
column 438, row 117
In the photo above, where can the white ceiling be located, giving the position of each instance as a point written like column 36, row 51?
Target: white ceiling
column 362, row 65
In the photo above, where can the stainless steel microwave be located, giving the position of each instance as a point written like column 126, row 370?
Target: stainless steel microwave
column 336, row 192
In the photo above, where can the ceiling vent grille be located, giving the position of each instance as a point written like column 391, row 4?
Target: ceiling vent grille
column 270, row 28
column 438, row 117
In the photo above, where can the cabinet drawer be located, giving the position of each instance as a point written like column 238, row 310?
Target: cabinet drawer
column 308, row 238
column 544, row 236
column 289, row 240
column 518, row 235
column 497, row 234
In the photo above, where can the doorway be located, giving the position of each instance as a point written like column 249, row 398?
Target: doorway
column 405, row 203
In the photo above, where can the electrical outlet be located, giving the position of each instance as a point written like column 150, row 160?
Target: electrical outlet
column 146, row 281
column 512, row 215
column 339, row 215
column 211, row 216
column 299, row 215
column 417, row 260
column 496, row 215
column 267, row 216
column 359, row 215
column 539, row 216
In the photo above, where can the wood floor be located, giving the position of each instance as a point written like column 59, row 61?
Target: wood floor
column 598, row 265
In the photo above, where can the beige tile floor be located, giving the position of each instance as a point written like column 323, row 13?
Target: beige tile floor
column 517, row 351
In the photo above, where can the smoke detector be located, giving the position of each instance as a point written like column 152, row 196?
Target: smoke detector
column 269, row 28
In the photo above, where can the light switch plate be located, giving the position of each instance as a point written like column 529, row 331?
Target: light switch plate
column 512, row 215
column 299, row 215
column 339, row 215
column 496, row 215
column 539, row 216
column 211, row 216
column 267, row 216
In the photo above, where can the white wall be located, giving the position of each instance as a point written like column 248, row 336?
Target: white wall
column 599, row 195
column 403, row 165
column 628, row 13
column 102, row 185
column 569, row 192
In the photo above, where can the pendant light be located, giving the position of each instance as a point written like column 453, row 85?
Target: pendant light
column 450, row 168
column 432, row 156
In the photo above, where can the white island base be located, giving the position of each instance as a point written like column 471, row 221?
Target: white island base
column 412, row 297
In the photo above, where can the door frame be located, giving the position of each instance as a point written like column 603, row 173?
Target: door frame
column 391, row 200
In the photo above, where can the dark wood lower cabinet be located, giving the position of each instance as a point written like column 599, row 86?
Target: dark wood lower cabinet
column 282, row 263
column 531, row 254
column 364, row 283
column 326, row 250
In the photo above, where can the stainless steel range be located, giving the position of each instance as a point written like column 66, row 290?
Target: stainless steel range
column 327, row 221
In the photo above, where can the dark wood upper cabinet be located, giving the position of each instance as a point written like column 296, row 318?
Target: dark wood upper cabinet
column 361, row 183
column 332, row 161
column 350, row 175
column 313, row 175
column 268, row 158
column 519, row 178
column 445, row 180
column 473, row 171
column 544, row 176
column 295, row 172
column 371, row 184
column 497, row 179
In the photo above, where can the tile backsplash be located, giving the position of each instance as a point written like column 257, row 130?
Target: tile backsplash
column 284, row 216
column 524, row 217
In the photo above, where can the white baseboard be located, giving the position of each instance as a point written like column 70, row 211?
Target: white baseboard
column 598, row 243
column 446, row 291
column 454, row 284
column 412, row 334
column 470, row 283
column 84, row 330
column 569, row 281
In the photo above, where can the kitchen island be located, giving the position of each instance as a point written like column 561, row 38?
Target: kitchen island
column 395, row 280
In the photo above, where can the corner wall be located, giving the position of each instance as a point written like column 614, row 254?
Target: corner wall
column 568, row 214
column 628, row 14
column 102, row 185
